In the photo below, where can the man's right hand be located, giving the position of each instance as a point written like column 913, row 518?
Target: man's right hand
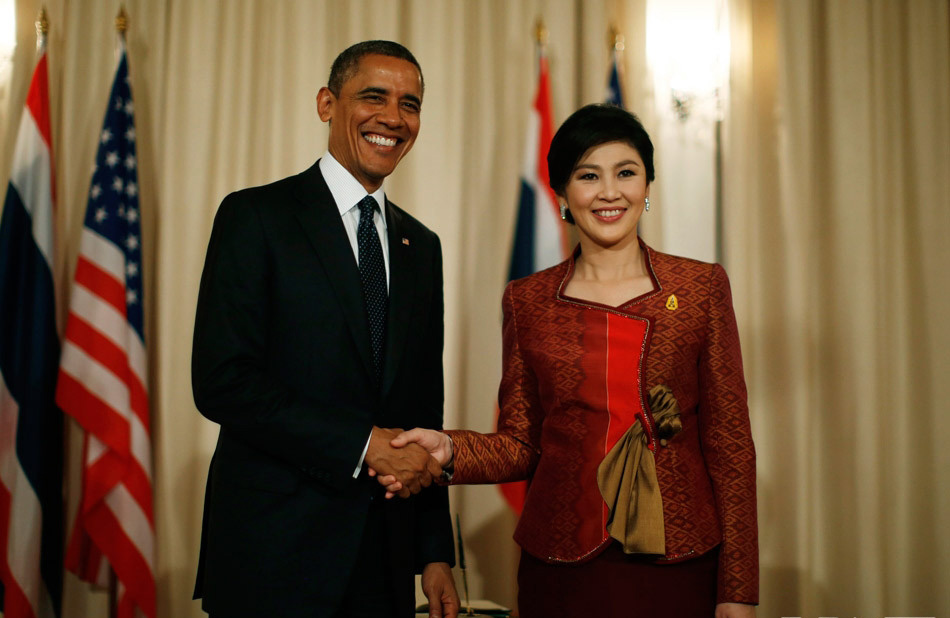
column 411, row 466
column 436, row 443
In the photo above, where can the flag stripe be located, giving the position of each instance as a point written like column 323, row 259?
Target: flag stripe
column 100, row 349
column 103, row 253
column 19, row 546
column 104, row 318
column 135, row 480
column 133, row 520
column 108, row 289
column 106, row 386
column 37, row 101
column 32, row 177
column 115, row 362
column 132, row 568
column 94, row 413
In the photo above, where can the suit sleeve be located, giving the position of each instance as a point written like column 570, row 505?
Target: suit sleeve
column 727, row 446
column 433, row 523
column 512, row 453
column 231, row 381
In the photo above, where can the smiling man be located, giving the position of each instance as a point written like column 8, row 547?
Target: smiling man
column 319, row 324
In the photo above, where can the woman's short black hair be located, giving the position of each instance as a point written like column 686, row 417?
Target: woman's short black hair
column 593, row 125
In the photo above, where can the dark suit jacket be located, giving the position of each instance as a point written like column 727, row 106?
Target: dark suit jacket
column 282, row 361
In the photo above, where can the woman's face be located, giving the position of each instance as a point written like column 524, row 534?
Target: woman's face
column 606, row 193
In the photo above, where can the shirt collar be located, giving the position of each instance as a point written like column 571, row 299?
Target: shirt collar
column 345, row 189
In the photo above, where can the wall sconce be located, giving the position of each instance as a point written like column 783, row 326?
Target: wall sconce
column 688, row 53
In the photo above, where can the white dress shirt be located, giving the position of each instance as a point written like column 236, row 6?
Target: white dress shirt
column 347, row 193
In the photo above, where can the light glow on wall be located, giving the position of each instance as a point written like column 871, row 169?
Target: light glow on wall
column 7, row 28
column 687, row 51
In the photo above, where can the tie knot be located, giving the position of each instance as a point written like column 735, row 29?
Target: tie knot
column 367, row 206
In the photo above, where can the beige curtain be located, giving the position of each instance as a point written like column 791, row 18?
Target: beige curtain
column 837, row 203
column 836, row 188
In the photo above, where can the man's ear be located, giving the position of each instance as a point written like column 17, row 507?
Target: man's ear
column 325, row 103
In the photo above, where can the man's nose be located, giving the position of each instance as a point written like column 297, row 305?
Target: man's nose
column 391, row 114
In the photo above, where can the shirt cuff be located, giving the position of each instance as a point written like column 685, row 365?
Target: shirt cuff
column 356, row 472
column 448, row 470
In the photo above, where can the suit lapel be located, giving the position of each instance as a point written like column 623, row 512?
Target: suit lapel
column 320, row 219
column 402, row 280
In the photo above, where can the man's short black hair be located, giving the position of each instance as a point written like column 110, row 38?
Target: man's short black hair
column 347, row 63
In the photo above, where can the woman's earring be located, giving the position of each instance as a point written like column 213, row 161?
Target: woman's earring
column 563, row 212
column 645, row 200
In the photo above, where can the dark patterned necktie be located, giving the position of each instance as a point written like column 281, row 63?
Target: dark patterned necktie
column 373, row 277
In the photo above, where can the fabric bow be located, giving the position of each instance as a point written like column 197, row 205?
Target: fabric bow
column 627, row 479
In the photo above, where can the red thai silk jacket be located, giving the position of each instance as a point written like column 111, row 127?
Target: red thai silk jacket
column 552, row 426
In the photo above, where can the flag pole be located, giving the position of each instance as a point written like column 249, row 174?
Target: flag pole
column 540, row 33
column 615, row 40
column 42, row 28
column 122, row 22
column 540, row 38
column 121, row 26
column 616, row 45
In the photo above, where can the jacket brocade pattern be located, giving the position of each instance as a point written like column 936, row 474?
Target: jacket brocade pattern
column 706, row 473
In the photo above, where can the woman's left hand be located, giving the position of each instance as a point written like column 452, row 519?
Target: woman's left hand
column 735, row 610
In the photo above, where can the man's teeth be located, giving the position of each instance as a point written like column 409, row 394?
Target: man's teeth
column 610, row 213
column 379, row 140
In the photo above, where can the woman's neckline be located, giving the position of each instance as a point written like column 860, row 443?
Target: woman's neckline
column 569, row 273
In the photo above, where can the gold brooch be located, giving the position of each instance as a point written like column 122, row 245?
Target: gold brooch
column 671, row 303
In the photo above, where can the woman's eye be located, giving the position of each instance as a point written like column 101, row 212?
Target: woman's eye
column 627, row 173
column 587, row 176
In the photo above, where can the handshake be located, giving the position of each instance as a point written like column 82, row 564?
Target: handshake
column 406, row 461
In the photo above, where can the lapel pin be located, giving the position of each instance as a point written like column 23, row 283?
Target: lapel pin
column 405, row 241
column 671, row 303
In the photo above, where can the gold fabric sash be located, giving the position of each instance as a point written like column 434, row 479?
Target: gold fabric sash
column 627, row 479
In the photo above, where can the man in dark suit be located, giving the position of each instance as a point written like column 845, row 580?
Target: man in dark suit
column 319, row 323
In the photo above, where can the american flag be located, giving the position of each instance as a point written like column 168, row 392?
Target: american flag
column 31, row 428
column 103, row 376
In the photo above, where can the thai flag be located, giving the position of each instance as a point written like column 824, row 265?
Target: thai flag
column 103, row 374
column 540, row 235
column 31, row 427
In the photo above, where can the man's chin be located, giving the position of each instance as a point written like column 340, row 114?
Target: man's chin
column 379, row 170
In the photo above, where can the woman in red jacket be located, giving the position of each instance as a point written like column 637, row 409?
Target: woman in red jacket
column 623, row 401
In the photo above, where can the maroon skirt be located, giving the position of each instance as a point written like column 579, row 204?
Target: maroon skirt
column 618, row 585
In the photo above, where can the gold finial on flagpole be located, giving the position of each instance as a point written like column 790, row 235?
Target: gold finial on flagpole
column 614, row 39
column 42, row 24
column 541, row 33
column 121, row 21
